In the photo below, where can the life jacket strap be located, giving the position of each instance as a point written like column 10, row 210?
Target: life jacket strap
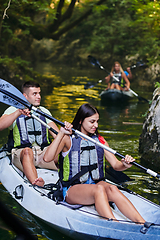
column 84, row 170
column 87, row 148
column 34, row 133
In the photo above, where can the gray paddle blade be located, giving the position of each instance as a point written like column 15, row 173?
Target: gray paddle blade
column 7, row 98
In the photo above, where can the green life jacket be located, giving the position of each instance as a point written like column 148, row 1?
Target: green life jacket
column 27, row 131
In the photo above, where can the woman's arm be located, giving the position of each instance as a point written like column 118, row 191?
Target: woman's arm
column 107, row 80
column 61, row 142
column 54, row 126
column 115, row 163
column 126, row 80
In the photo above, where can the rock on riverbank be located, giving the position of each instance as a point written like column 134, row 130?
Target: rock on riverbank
column 149, row 142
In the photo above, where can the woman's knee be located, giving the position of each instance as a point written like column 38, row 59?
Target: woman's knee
column 100, row 189
column 112, row 190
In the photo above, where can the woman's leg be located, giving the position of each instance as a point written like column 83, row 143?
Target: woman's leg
column 117, row 87
column 88, row 194
column 112, row 86
column 122, row 202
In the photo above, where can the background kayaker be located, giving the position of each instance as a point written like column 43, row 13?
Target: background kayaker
column 117, row 71
column 128, row 73
column 77, row 154
column 28, row 139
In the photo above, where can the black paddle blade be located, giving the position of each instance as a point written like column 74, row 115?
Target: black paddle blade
column 116, row 176
column 93, row 61
column 141, row 64
column 142, row 99
column 89, row 85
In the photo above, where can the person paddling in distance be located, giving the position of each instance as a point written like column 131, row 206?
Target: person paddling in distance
column 117, row 71
column 28, row 139
column 78, row 153
column 128, row 73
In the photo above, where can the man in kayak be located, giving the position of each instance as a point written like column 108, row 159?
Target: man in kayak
column 28, row 139
column 118, row 78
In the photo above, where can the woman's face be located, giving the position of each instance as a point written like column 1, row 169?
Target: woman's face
column 117, row 67
column 90, row 124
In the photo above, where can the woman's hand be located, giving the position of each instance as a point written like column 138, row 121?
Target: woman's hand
column 111, row 74
column 67, row 129
column 126, row 88
column 127, row 161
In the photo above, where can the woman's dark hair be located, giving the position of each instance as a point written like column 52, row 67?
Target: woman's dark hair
column 86, row 110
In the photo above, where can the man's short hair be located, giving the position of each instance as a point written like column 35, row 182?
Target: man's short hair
column 29, row 84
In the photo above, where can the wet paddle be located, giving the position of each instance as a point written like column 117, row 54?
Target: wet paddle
column 116, row 176
column 96, row 63
column 19, row 98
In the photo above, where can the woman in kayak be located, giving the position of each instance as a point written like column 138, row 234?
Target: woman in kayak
column 118, row 78
column 82, row 156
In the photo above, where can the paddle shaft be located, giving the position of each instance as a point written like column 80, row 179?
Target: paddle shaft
column 26, row 104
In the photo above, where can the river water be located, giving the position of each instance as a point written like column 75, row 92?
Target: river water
column 120, row 126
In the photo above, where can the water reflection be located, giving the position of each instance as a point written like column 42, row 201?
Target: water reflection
column 114, row 113
column 64, row 101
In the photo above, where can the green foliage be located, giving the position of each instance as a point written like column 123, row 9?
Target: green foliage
column 117, row 29
column 157, row 85
column 111, row 29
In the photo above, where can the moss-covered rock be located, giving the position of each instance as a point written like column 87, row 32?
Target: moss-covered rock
column 149, row 142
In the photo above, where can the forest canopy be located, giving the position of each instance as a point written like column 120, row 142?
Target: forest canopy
column 111, row 28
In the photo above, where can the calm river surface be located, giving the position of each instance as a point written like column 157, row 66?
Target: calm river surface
column 121, row 127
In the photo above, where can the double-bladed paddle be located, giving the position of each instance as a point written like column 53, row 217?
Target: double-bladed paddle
column 19, row 100
column 11, row 100
column 96, row 63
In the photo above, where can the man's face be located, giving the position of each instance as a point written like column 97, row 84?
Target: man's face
column 33, row 96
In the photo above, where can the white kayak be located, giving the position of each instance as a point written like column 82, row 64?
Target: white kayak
column 78, row 222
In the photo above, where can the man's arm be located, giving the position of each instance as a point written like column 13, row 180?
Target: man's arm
column 7, row 119
column 130, row 76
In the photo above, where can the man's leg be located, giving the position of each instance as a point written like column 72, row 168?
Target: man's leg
column 27, row 160
column 41, row 163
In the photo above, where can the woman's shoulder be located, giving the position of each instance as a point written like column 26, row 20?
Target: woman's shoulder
column 101, row 139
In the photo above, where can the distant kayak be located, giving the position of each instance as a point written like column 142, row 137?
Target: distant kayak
column 114, row 95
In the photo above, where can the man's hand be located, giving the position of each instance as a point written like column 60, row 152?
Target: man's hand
column 25, row 112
